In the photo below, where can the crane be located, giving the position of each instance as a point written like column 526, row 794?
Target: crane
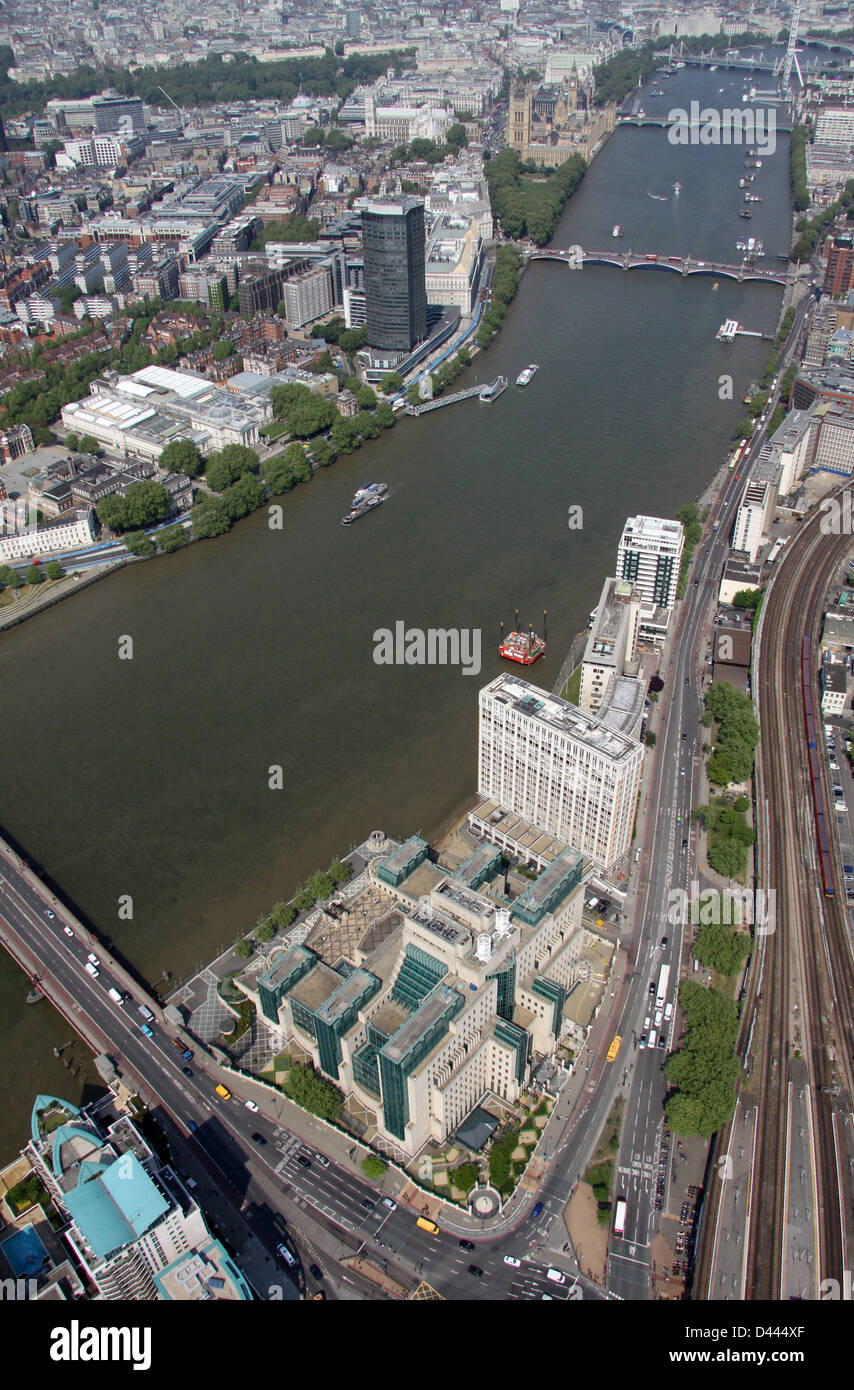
column 175, row 104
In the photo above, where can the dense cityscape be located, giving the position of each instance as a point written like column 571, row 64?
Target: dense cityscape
column 569, row 1014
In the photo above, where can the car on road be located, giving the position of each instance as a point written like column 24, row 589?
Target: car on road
column 92, row 970
column 322, row 1160
column 663, row 942
column 192, row 1126
column 466, row 1244
column 68, row 931
column 187, row 1071
column 651, row 989
column 303, row 1161
column 512, row 1261
column 684, row 844
column 681, row 772
column 555, row 1276
column 476, row 1271
column 315, row 1271
column 642, row 1040
column 48, row 913
column 368, row 1204
column 387, row 1202
column 684, row 736
column 536, row 1209
column 259, row 1139
column 144, row 1028
column 285, row 1256
column 93, row 959
column 250, row 1105
column 834, row 765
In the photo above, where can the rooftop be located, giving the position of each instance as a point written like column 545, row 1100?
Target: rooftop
column 560, row 715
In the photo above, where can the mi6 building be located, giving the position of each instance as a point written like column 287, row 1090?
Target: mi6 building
column 451, row 985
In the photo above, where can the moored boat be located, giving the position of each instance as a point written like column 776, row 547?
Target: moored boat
column 490, row 393
column 523, row 647
column 527, row 374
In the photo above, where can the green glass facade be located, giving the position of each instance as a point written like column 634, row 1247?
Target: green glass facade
column 555, row 994
column 518, row 1039
column 506, row 978
column 284, row 975
column 407, row 1049
column 403, row 861
column 552, row 886
column 365, row 1069
column 418, row 974
column 335, row 1017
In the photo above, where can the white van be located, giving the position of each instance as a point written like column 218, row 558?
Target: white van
column 146, row 1013
column 658, row 1017
column 116, row 997
column 637, row 856
column 555, row 1276
column 92, row 970
column 668, row 1012
column 651, row 1039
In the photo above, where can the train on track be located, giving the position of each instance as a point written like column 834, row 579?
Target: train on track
column 815, row 748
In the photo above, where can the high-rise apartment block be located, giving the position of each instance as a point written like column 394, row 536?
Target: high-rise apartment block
column 567, row 772
column 649, row 556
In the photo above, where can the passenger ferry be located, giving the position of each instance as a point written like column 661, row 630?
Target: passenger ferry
column 527, row 374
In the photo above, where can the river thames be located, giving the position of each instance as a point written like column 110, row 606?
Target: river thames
column 149, row 777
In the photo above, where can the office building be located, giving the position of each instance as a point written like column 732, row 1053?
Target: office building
column 260, row 291
column 566, row 771
column 393, row 247
column 835, row 126
column 839, row 270
column 649, row 556
column 133, row 1229
column 118, row 115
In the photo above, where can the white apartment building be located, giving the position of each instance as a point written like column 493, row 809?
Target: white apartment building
column 649, row 556
column 308, row 296
column 69, row 534
column 566, row 771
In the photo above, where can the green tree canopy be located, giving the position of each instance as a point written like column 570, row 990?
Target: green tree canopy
column 182, row 456
column 209, row 518
column 305, row 412
column 229, row 464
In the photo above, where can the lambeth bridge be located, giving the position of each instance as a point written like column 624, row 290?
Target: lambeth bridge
column 576, row 256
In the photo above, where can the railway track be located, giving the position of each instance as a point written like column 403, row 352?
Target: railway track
column 800, row 993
